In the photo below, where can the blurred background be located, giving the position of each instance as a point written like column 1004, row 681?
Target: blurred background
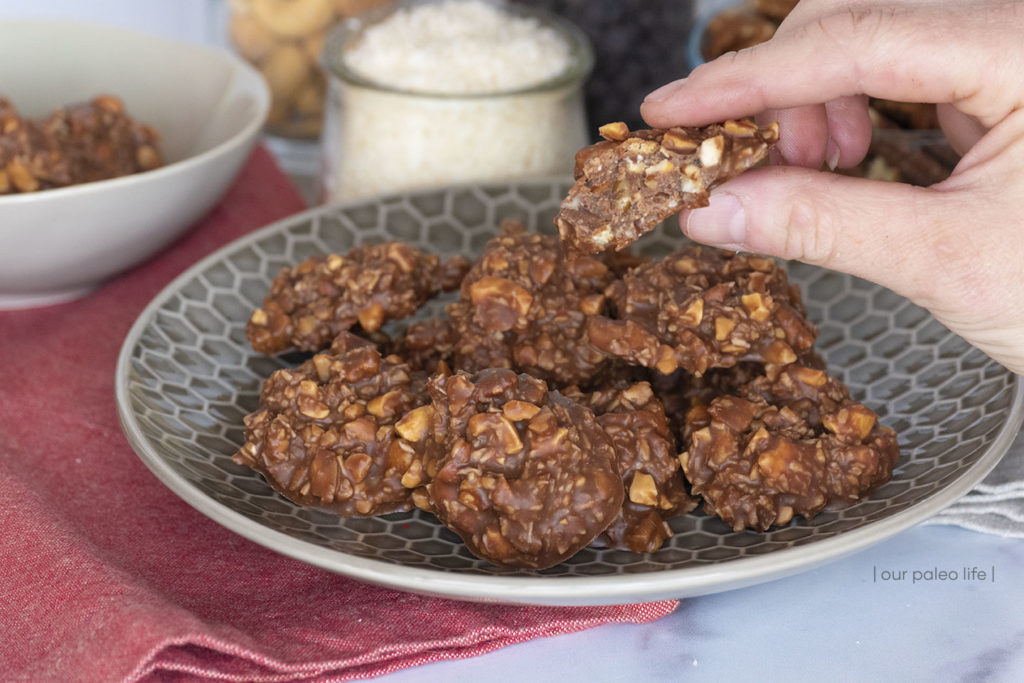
column 638, row 46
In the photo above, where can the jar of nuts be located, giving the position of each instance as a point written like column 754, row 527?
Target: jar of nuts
column 283, row 39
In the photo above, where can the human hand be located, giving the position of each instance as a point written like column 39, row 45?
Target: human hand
column 956, row 247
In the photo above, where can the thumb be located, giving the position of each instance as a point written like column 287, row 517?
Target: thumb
column 890, row 233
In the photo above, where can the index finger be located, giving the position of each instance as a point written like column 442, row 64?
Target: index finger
column 887, row 52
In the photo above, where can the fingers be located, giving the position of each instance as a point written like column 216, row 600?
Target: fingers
column 954, row 248
column 885, row 232
column 887, row 52
column 961, row 130
column 849, row 129
column 835, row 134
column 956, row 253
column 803, row 136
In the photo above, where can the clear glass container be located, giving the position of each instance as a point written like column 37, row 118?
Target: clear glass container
column 379, row 138
column 283, row 39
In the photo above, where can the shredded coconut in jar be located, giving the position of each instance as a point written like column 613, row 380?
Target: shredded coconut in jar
column 459, row 47
column 449, row 97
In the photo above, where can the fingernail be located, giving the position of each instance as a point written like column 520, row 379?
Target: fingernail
column 722, row 223
column 832, row 154
column 665, row 91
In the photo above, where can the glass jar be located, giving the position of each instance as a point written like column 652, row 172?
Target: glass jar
column 379, row 138
column 283, row 39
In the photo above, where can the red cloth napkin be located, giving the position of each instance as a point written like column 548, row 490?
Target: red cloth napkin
column 107, row 575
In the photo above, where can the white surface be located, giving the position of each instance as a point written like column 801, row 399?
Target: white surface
column 207, row 106
column 837, row 623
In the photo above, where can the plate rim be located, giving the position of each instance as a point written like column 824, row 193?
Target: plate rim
column 519, row 588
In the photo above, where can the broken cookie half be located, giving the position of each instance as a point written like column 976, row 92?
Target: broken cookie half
column 632, row 180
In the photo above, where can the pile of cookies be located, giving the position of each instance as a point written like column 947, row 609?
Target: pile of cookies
column 79, row 143
column 564, row 399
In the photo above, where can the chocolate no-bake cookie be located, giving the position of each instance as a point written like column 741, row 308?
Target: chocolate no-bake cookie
column 310, row 304
column 700, row 308
column 523, row 306
column 789, row 444
column 325, row 432
column 526, row 476
column 648, row 463
column 632, row 180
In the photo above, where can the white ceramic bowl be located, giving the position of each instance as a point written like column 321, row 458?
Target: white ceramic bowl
column 207, row 105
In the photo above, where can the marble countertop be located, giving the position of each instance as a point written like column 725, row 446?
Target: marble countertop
column 887, row 613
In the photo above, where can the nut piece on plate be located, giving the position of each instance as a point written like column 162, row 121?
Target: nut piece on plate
column 523, row 306
column 700, row 308
column 648, row 465
column 311, row 304
column 789, row 444
column 80, row 143
column 632, row 180
column 326, row 435
column 524, row 475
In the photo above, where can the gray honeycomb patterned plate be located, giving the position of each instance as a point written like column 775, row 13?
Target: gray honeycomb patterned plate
column 186, row 377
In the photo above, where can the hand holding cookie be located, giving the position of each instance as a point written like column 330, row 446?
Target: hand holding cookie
column 955, row 247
